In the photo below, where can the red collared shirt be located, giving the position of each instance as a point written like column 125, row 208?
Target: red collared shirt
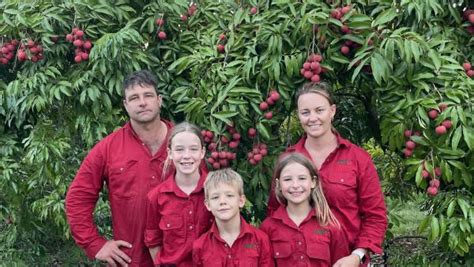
column 308, row 244
column 126, row 165
column 352, row 188
column 250, row 249
column 175, row 220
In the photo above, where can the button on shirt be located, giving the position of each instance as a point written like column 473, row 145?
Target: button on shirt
column 250, row 249
column 175, row 220
column 130, row 171
column 308, row 244
column 352, row 188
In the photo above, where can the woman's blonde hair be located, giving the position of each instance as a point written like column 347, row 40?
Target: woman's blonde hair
column 322, row 88
column 317, row 200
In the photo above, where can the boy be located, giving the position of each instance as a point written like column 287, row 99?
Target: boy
column 231, row 241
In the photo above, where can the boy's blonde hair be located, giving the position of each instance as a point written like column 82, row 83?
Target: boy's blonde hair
column 226, row 176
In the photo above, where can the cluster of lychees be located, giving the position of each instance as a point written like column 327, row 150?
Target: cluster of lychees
column 445, row 125
column 468, row 15
column 221, row 43
column 258, row 152
column 312, row 69
column 30, row 50
column 83, row 46
column 7, row 51
column 468, row 68
column 432, row 190
column 348, row 46
column 221, row 158
column 273, row 97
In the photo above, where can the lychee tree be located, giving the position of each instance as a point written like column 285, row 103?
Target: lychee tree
column 400, row 71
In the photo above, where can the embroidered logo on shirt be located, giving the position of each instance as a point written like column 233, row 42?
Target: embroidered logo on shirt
column 249, row 245
column 320, row 231
column 342, row 161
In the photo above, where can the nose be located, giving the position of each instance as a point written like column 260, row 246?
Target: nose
column 222, row 200
column 313, row 116
column 142, row 101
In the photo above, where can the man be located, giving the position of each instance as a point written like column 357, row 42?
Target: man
column 130, row 162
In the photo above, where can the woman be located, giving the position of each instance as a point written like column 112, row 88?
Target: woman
column 349, row 179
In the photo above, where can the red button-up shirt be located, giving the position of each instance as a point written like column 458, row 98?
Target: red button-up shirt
column 125, row 164
column 308, row 244
column 175, row 220
column 250, row 249
column 352, row 188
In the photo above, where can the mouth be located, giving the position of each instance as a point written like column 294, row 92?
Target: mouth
column 144, row 111
column 186, row 164
column 296, row 193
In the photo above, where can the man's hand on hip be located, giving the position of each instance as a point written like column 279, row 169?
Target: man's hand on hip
column 112, row 254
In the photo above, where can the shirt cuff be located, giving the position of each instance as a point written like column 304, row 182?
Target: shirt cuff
column 94, row 247
column 369, row 246
column 152, row 238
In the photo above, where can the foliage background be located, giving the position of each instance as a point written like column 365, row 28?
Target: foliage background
column 53, row 111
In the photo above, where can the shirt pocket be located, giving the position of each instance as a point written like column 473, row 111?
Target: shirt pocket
column 319, row 252
column 249, row 258
column 122, row 177
column 173, row 231
column 341, row 188
column 281, row 250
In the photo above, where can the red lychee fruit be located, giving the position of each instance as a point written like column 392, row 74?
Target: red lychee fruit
column 162, row 35
column 263, row 106
column 407, row 133
column 434, row 183
column 447, row 123
column 440, row 130
column 345, row 50
column 159, row 22
column 432, row 191
column 268, row 115
column 433, row 114
column 220, row 48
column 410, row 145
column 466, row 66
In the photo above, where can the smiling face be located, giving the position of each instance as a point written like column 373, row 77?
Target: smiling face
column 142, row 103
column 186, row 151
column 224, row 201
column 315, row 114
column 296, row 183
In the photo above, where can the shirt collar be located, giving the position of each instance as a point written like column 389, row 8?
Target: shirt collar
column 282, row 215
column 170, row 186
column 299, row 146
column 245, row 228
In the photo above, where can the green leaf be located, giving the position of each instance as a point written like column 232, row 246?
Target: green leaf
column 225, row 115
column 262, row 130
column 418, row 177
column 434, row 228
column 464, row 205
column 450, row 209
column 434, row 56
column 384, row 17
column 468, row 137
column 456, row 138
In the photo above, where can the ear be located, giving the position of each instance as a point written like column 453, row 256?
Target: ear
column 313, row 183
column 203, row 152
column 168, row 150
column 124, row 102
column 160, row 100
column 206, row 203
column 333, row 110
column 242, row 200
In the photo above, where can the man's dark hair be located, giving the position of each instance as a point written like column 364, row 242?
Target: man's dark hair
column 141, row 77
